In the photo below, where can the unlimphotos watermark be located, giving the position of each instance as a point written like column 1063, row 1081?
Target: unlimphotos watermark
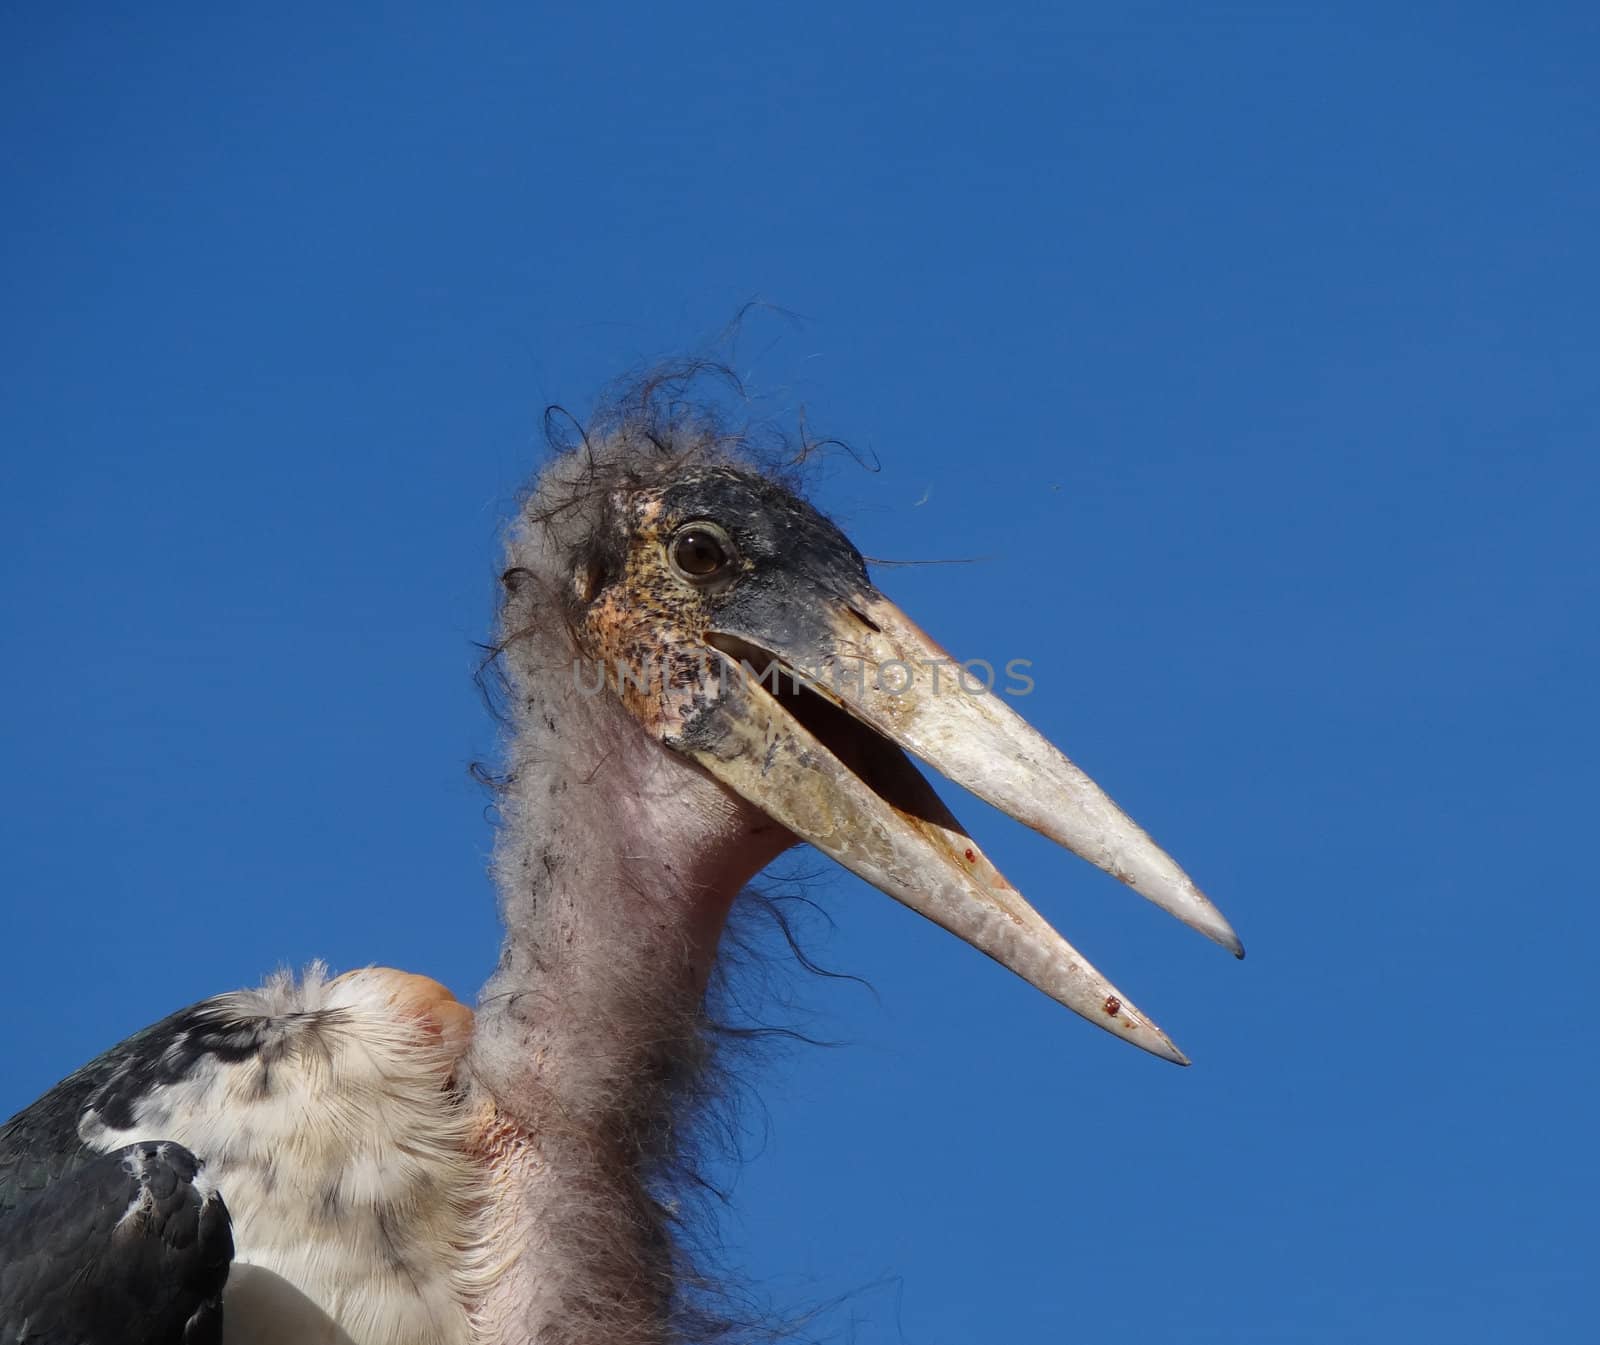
column 841, row 675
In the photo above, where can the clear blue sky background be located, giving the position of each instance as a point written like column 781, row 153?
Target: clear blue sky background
column 1252, row 349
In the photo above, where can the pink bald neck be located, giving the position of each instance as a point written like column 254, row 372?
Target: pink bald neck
column 618, row 862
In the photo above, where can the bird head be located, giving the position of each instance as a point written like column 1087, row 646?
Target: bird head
column 741, row 630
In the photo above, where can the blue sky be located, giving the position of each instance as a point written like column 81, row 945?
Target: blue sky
column 1252, row 353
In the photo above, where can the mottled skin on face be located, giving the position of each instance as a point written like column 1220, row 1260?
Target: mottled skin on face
column 790, row 574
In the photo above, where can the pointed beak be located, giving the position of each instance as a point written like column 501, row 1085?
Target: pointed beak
column 809, row 725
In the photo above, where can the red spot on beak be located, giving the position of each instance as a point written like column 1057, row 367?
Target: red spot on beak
column 971, row 858
column 1113, row 1006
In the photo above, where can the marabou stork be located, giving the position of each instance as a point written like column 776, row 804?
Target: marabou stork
column 701, row 674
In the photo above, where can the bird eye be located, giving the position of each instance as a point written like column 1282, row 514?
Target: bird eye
column 701, row 552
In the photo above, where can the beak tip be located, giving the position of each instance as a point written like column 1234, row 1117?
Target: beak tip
column 1151, row 1039
column 1170, row 888
column 1168, row 1050
column 1214, row 925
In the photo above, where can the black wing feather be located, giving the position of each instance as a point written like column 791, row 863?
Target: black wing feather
column 41, row 1144
column 76, row 1266
column 128, row 1249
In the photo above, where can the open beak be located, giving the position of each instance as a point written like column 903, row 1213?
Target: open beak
column 813, row 736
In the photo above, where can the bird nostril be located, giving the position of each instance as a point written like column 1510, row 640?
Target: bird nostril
column 865, row 620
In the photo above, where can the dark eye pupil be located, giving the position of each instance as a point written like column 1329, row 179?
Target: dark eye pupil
column 699, row 553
